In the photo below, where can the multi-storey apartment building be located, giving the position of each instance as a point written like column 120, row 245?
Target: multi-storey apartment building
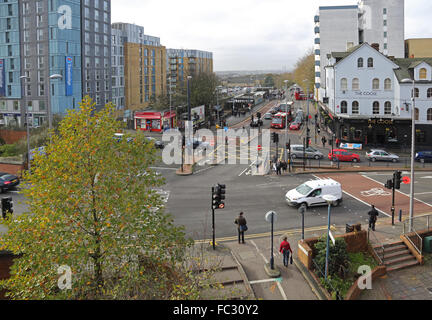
column 53, row 53
column 117, row 61
column 418, row 48
column 144, row 66
column 182, row 63
column 339, row 28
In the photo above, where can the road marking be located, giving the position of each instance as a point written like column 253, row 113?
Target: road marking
column 421, row 193
column 163, row 168
column 266, row 261
column 430, row 205
column 247, row 168
column 375, row 192
column 265, row 280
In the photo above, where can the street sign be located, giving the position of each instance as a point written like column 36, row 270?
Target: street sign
column 406, row 180
column 269, row 215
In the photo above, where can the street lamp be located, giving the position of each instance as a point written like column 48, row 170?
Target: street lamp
column 307, row 98
column 27, row 122
column 170, row 102
column 286, row 120
column 411, row 212
column 271, row 217
column 51, row 77
column 330, row 200
column 188, row 98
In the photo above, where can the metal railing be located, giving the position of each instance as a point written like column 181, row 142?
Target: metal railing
column 418, row 223
column 317, row 268
column 419, row 241
column 375, row 249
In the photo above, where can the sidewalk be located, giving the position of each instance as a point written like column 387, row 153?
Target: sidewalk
column 295, row 282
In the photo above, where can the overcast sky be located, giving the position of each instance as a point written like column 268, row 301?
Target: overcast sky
column 246, row 34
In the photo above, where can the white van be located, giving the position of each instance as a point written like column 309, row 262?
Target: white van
column 311, row 193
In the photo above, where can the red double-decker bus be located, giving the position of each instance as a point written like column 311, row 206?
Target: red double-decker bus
column 279, row 120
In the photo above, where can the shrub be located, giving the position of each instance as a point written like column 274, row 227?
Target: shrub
column 9, row 150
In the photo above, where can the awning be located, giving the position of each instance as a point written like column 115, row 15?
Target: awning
column 148, row 116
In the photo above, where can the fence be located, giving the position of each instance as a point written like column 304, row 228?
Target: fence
column 321, row 275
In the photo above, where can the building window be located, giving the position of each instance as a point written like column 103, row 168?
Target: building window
column 429, row 93
column 370, row 63
column 423, row 74
column 420, row 136
column 376, row 108
column 356, row 84
column 417, row 92
column 429, row 114
column 417, row 114
column 344, row 84
column 355, row 107
column 387, row 84
column 375, row 84
column 387, row 107
column 344, row 107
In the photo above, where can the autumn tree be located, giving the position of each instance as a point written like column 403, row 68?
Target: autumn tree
column 94, row 208
column 305, row 70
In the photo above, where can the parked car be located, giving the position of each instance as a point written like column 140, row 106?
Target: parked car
column 311, row 153
column 158, row 144
column 311, row 193
column 295, row 126
column 381, row 155
column 426, row 156
column 343, row 155
column 8, row 181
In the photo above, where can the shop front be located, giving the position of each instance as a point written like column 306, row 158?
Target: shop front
column 154, row 121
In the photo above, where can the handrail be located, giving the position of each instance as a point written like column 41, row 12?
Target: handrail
column 419, row 250
column 381, row 245
column 406, row 221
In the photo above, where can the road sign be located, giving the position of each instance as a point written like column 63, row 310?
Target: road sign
column 332, row 238
column 259, row 148
column 406, row 180
column 268, row 216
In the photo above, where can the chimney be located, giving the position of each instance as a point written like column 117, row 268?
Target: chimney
column 375, row 46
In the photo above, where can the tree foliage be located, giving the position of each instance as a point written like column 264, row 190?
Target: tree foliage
column 305, row 70
column 338, row 256
column 93, row 206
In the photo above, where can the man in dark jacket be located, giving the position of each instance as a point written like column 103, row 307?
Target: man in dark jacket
column 373, row 215
column 241, row 227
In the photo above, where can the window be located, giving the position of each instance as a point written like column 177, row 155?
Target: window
column 356, row 84
column 417, row 114
column 429, row 93
column 420, row 136
column 385, row 11
column 370, row 63
column 376, row 108
column 417, row 92
column 344, row 107
column 355, row 107
column 344, row 84
column 387, row 107
column 423, row 74
column 429, row 114
column 375, row 84
column 387, row 84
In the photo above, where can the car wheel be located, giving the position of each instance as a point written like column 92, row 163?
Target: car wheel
column 336, row 203
column 334, row 159
column 394, row 160
column 294, row 156
column 355, row 160
column 304, row 205
column 373, row 159
column 317, row 157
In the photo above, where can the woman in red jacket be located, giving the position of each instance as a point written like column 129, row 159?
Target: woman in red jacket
column 285, row 249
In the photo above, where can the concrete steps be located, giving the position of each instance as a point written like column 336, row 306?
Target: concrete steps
column 396, row 256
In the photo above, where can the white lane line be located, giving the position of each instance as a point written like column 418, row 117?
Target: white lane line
column 428, row 204
column 247, row 168
column 266, row 261
column 264, row 281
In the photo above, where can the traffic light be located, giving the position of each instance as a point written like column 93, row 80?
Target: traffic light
column 389, row 184
column 288, row 146
column 218, row 195
column 275, row 137
column 258, row 115
column 397, row 179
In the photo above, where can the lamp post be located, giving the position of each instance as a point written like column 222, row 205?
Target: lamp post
column 286, row 120
column 330, row 199
column 170, row 102
column 27, row 121
column 188, row 98
column 51, row 77
column 271, row 217
column 411, row 206
column 307, row 98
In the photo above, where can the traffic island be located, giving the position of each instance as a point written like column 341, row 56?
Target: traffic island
column 187, row 170
column 272, row 273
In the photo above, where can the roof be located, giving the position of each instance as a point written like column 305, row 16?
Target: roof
column 323, row 182
column 405, row 66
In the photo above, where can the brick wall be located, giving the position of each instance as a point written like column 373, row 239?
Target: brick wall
column 6, row 261
column 15, row 169
column 12, row 136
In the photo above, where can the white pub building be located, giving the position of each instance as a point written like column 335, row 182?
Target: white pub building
column 368, row 97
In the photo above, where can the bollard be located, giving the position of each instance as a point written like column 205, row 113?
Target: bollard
column 400, row 215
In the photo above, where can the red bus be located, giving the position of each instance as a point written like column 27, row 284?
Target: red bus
column 279, row 120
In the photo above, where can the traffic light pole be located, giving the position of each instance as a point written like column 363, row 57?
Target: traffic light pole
column 213, row 221
column 393, row 199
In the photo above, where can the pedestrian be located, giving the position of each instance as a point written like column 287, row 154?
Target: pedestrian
column 285, row 249
column 284, row 166
column 241, row 227
column 324, row 140
column 274, row 167
column 337, row 142
column 278, row 168
column 373, row 216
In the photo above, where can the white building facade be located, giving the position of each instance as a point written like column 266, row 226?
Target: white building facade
column 339, row 28
column 370, row 103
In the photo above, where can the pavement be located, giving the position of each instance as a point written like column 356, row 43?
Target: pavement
column 294, row 283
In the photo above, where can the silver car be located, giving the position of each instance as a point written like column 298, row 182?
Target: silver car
column 381, row 155
column 310, row 153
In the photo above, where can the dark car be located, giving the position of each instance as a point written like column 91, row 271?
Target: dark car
column 8, row 181
column 425, row 156
column 158, row 144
